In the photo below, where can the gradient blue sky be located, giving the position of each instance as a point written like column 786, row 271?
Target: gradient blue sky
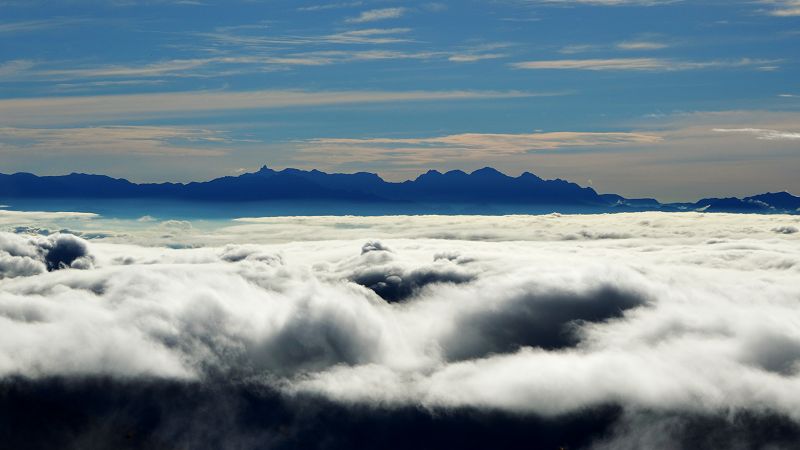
column 673, row 99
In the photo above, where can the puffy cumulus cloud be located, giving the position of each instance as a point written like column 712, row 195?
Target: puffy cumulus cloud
column 609, row 331
column 31, row 255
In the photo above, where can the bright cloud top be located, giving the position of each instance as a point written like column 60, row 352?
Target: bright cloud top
column 421, row 320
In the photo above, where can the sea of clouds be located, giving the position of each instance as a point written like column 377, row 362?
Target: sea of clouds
column 647, row 330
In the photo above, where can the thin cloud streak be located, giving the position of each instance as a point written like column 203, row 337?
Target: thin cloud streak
column 378, row 14
column 606, row 2
column 641, row 45
column 636, row 64
column 361, row 36
column 327, row 6
column 460, row 147
column 29, row 26
column 130, row 140
column 82, row 109
column 762, row 134
column 13, row 68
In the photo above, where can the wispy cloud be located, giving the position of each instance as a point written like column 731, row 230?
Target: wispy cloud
column 327, row 6
column 783, row 8
column 579, row 48
column 473, row 57
column 28, row 26
column 636, row 64
column 339, row 56
column 363, row 36
column 93, row 85
column 162, row 68
column 234, row 54
column 103, row 108
column 368, row 36
column 15, row 67
column 129, row 140
column 460, row 147
column 378, row 14
column 248, row 52
column 763, row 134
column 479, row 52
column 641, row 45
column 631, row 45
column 606, row 2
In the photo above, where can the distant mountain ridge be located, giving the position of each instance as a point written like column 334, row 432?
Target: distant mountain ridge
column 485, row 188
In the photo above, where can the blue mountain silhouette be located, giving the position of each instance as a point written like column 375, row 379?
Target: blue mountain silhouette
column 483, row 190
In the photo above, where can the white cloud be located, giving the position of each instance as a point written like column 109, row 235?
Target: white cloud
column 479, row 52
column 641, row 45
column 635, row 64
column 783, row 8
column 172, row 67
column 473, row 57
column 327, row 6
column 378, row 14
column 760, row 133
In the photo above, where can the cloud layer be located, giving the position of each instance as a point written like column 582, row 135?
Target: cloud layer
column 635, row 322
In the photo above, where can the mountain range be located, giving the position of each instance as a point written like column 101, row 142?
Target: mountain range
column 482, row 191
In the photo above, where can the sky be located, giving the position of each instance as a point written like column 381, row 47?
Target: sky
column 671, row 99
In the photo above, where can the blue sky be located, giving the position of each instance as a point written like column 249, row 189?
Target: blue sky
column 673, row 99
